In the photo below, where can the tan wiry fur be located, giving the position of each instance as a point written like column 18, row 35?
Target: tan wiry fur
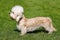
column 26, row 25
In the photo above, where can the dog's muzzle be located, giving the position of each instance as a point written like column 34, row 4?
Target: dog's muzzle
column 11, row 18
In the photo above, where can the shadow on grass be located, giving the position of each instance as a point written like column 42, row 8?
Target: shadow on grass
column 36, row 31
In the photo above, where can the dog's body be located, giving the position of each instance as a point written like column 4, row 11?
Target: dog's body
column 25, row 25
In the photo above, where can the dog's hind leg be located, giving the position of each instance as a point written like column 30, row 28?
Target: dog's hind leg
column 49, row 27
column 53, row 27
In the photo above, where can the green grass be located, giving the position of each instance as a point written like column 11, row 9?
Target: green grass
column 33, row 8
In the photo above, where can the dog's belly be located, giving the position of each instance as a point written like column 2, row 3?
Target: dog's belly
column 32, row 28
column 33, row 24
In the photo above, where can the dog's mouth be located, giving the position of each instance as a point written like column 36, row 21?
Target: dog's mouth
column 12, row 18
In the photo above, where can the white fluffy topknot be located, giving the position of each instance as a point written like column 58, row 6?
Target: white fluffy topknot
column 17, row 9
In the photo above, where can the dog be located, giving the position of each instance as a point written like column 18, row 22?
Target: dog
column 30, row 24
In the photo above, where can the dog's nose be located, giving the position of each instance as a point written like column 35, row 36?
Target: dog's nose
column 9, row 12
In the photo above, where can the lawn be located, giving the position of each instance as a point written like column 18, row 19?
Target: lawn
column 32, row 8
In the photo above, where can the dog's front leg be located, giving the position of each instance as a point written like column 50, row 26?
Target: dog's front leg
column 23, row 30
column 18, row 27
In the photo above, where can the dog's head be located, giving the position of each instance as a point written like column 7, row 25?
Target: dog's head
column 16, row 12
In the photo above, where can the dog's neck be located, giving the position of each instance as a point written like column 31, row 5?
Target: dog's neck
column 19, row 18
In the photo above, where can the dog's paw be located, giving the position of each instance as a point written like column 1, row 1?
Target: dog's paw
column 49, row 32
column 22, row 34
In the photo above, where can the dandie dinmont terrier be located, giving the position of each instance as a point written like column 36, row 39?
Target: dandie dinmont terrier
column 25, row 25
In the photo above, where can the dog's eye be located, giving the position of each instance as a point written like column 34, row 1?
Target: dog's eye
column 17, row 15
column 13, row 12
